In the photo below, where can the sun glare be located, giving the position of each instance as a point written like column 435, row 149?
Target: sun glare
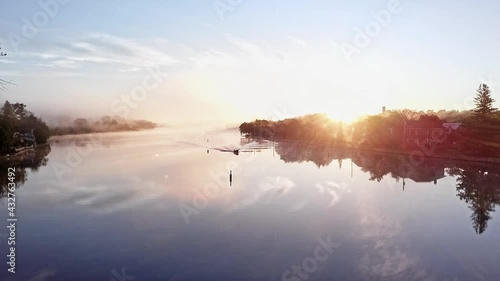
column 344, row 116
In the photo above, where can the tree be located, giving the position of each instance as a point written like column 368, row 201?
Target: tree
column 484, row 102
column 81, row 122
column 14, row 117
column 478, row 187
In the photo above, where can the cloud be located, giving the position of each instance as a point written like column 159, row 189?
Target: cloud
column 105, row 199
column 385, row 255
column 270, row 187
column 212, row 58
column 7, row 61
column 43, row 275
column 99, row 48
column 334, row 190
column 301, row 43
column 61, row 64
column 243, row 45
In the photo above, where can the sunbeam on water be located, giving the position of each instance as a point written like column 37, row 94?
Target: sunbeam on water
column 251, row 216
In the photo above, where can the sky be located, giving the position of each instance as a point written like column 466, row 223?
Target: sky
column 227, row 61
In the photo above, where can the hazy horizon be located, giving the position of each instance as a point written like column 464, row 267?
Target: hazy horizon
column 223, row 189
column 218, row 64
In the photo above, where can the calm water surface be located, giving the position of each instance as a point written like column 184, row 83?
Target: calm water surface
column 159, row 205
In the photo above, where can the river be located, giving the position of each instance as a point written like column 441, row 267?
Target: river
column 167, row 204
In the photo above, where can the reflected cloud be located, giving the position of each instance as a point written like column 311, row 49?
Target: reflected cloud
column 385, row 254
column 105, row 199
column 334, row 190
column 269, row 188
column 44, row 275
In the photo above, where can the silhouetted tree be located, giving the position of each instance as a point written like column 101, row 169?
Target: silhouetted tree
column 484, row 102
column 14, row 117
column 81, row 122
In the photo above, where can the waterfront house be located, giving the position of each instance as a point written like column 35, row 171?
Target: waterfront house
column 431, row 133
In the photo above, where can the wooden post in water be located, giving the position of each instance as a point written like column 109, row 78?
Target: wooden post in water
column 351, row 165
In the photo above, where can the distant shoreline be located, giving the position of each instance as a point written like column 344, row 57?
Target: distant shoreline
column 102, row 132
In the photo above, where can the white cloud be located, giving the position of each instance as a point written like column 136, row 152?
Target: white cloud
column 270, row 187
column 386, row 256
column 301, row 43
column 7, row 61
column 243, row 45
column 213, row 58
column 100, row 48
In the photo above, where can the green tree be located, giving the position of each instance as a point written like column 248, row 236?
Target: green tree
column 14, row 117
column 484, row 102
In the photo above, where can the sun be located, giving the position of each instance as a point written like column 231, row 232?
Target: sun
column 343, row 116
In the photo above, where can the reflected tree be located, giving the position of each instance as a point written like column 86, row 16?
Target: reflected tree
column 478, row 185
column 480, row 188
column 24, row 163
column 299, row 152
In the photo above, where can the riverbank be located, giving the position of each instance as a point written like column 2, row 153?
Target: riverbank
column 418, row 153
column 415, row 153
column 71, row 132
column 22, row 152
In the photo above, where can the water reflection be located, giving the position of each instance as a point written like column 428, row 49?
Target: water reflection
column 477, row 184
column 119, row 207
column 22, row 162
column 479, row 187
column 298, row 152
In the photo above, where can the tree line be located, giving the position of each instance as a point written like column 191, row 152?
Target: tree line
column 480, row 136
column 104, row 124
column 15, row 117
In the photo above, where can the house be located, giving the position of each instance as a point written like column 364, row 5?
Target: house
column 431, row 133
column 454, row 132
column 454, row 127
column 25, row 137
column 422, row 132
column 425, row 173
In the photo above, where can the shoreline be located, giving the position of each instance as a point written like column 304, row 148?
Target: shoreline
column 458, row 157
column 21, row 151
column 100, row 132
column 433, row 155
